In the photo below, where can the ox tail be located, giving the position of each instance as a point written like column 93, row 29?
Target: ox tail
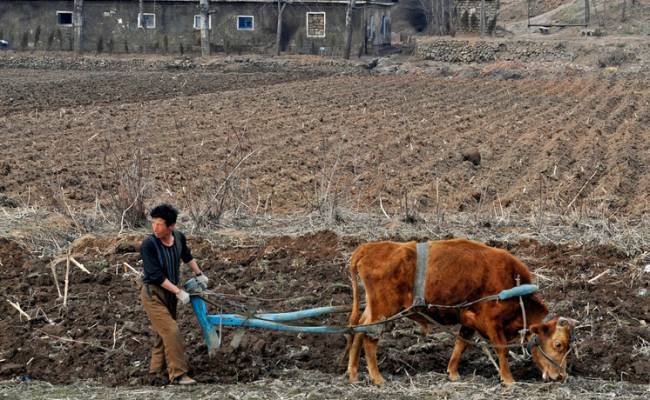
column 354, row 313
column 354, row 272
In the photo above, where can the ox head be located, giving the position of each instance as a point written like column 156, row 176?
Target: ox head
column 550, row 344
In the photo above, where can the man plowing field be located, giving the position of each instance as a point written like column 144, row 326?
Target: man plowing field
column 162, row 253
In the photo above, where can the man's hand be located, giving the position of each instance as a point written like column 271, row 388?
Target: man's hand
column 202, row 280
column 183, row 297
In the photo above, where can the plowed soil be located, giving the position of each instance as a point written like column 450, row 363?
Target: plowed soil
column 104, row 334
column 314, row 137
column 572, row 139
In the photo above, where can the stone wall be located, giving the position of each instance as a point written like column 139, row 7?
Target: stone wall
column 460, row 51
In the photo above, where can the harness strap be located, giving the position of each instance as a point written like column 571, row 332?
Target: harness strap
column 534, row 342
column 422, row 261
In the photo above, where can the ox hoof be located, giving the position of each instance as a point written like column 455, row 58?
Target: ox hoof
column 353, row 377
column 508, row 382
column 378, row 381
column 453, row 376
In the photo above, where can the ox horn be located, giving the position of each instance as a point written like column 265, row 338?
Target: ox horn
column 562, row 321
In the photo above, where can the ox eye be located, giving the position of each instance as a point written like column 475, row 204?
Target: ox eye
column 557, row 344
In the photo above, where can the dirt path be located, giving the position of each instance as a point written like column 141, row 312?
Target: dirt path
column 313, row 385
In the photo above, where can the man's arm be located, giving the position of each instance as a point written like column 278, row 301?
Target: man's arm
column 182, row 295
column 186, row 257
column 167, row 285
column 195, row 267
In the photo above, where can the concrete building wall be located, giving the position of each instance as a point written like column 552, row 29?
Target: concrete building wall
column 112, row 26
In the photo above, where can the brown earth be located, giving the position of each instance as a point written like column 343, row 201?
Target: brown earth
column 515, row 141
column 103, row 334
column 336, row 134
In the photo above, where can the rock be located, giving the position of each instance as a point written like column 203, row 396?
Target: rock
column 301, row 354
column 8, row 202
column 505, row 75
column 124, row 246
column 472, row 155
column 371, row 64
column 56, row 330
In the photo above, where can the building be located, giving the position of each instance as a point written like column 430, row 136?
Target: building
column 423, row 16
column 173, row 26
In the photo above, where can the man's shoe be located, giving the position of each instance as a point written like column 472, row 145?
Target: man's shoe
column 185, row 380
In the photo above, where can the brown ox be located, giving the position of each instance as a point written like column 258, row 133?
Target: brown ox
column 457, row 271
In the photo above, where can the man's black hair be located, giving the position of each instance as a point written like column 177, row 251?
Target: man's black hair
column 166, row 212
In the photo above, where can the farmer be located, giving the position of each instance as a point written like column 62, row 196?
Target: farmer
column 162, row 253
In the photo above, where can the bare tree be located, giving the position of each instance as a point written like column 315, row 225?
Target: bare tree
column 587, row 13
column 282, row 4
column 348, row 29
column 141, row 13
column 77, row 24
column 141, row 24
column 435, row 18
column 623, row 10
column 451, row 12
column 496, row 15
column 482, row 18
column 205, row 27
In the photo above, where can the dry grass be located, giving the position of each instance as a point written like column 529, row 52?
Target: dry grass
column 49, row 232
column 299, row 384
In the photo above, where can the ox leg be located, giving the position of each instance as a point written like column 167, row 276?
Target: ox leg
column 498, row 339
column 353, row 361
column 370, row 349
column 464, row 335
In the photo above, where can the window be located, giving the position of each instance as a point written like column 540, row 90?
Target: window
column 245, row 23
column 64, row 18
column 315, row 24
column 198, row 19
column 149, row 20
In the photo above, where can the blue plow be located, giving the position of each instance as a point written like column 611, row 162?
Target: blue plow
column 275, row 321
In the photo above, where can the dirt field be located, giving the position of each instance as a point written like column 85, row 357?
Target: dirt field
column 103, row 335
column 349, row 138
column 549, row 160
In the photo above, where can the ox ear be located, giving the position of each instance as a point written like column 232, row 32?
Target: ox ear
column 567, row 322
column 540, row 329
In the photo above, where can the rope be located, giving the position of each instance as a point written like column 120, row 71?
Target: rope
column 412, row 310
column 465, row 304
column 552, row 361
